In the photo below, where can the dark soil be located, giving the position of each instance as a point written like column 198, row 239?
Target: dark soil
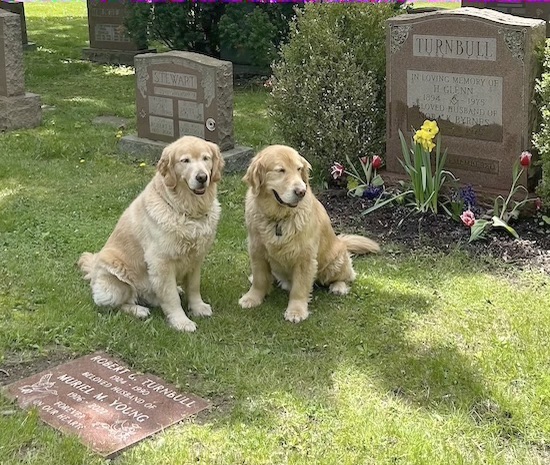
column 413, row 231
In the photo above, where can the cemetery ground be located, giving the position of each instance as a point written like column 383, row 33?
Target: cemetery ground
column 438, row 355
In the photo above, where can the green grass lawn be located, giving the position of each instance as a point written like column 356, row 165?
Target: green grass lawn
column 432, row 358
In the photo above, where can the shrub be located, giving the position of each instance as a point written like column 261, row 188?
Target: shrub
column 189, row 26
column 542, row 138
column 329, row 86
column 253, row 30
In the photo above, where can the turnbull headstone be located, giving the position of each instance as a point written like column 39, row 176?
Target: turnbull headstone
column 184, row 93
column 473, row 71
column 18, row 7
column 18, row 109
column 109, row 39
column 108, row 405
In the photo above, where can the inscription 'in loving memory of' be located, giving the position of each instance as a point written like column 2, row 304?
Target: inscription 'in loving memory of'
column 464, row 99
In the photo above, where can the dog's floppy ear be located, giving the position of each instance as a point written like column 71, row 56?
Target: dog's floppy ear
column 165, row 167
column 305, row 170
column 255, row 174
column 218, row 162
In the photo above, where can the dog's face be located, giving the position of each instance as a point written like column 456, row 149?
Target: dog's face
column 279, row 171
column 191, row 162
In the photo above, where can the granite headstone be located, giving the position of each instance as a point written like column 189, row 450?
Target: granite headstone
column 18, row 7
column 184, row 93
column 539, row 9
column 473, row 71
column 18, row 109
column 109, row 38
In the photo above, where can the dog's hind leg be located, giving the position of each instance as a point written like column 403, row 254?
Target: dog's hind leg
column 111, row 287
column 338, row 274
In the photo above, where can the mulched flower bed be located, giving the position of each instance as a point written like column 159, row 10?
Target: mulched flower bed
column 438, row 233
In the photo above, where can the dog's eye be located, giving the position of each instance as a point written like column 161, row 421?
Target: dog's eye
column 185, row 160
column 206, row 158
column 281, row 170
column 299, row 168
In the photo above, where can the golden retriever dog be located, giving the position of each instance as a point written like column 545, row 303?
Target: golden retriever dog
column 290, row 237
column 162, row 238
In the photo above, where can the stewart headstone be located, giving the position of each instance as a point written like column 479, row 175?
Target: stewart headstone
column 473, row 71
column 18, row 109
column 105, row 403
column 184, row 93
column 109, row 39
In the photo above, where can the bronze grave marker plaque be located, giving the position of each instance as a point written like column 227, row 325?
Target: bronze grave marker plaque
column 104, row 402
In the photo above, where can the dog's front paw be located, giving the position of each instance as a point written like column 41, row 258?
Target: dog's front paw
column 339, row 288
column 182, row 323
column 250, row 299
column 201, row 309
column 296, row 312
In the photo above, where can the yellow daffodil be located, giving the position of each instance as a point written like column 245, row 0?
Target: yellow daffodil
column 425, row 139
column 431, row 127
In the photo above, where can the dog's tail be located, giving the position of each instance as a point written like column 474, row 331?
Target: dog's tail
column 359, row 244
column 86, row 264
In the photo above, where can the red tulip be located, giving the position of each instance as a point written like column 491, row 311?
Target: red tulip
column 376, row 162
column 538, row 204
column 468, row 218
column 525, row 159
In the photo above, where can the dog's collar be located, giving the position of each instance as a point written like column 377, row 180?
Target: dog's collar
column 278, row 198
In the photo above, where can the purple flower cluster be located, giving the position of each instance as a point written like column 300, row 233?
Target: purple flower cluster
column 468, row 196
column 372, row 192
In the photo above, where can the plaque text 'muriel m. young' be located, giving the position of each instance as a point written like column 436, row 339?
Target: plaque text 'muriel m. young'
column 472, row 71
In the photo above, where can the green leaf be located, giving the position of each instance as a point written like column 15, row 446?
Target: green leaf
column 498, row 223
column 377, row 181
column 358, row 191
column 477, row 231
column 352, row 184
column 546, row 219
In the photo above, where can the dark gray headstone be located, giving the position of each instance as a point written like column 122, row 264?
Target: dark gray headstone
column 17, row 108
column 109, row 38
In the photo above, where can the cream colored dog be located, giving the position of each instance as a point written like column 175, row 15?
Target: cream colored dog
column 290, row 237
column 162, row 238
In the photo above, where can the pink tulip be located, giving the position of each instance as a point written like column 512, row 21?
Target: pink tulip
column 538, row 204
column 468, row 218
column 364, row 160
column 337, row 170
column 376, row 162
column 525, row 159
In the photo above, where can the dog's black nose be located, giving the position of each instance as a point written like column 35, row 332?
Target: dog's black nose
column 201, row 177
column 300, row 192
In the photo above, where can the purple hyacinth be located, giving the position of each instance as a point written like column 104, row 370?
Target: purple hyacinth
column 468, row 196
column 372, row 192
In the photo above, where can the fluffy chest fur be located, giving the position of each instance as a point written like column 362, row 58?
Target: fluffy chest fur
column 286, row 239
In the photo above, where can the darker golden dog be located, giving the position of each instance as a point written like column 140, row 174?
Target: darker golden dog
column 290, row 237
